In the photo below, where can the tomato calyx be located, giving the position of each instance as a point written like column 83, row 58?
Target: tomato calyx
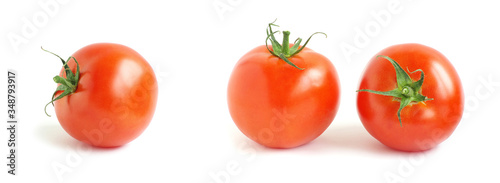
column 407, row 90
column 284, row 51
column 67, row 85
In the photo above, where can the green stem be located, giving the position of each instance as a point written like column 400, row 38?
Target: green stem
column 407, row 91
column 66, row 85
column 285, row 49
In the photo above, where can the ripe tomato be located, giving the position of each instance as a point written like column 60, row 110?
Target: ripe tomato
column 275, row 103
column 115, row 97
column 428, row 114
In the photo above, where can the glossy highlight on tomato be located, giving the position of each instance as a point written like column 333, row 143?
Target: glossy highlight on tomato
column 115, row 98
column 423, row 124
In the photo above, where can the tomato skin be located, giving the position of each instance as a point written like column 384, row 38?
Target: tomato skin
column 279, row 106
column 424, row 125
column 115, row 99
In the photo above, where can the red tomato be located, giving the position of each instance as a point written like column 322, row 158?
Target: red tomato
column 278, row 105
column 115, row 98
column 423, row 124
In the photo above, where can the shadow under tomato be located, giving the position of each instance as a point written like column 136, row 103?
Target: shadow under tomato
column 350, row 137
column 356, row 138
column 345, row 137
column 55, row 135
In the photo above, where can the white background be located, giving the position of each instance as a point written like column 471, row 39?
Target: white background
column 193, row 49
